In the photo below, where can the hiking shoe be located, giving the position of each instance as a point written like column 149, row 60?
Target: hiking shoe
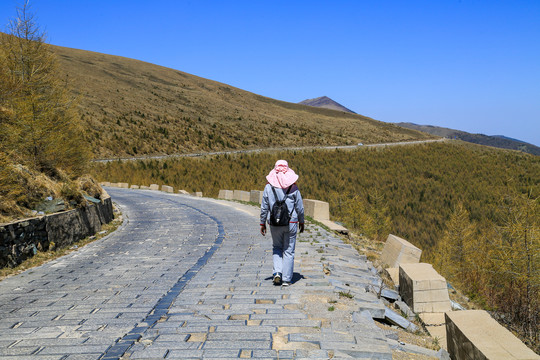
column 286, row 283
column 277, row 279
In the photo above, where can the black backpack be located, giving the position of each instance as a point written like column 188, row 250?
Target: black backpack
column 279, row 216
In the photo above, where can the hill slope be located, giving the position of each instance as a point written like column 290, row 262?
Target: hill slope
column 327, row 103
column 498, row 141
column 132, row 108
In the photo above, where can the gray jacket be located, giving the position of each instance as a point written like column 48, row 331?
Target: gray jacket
column 293, row 201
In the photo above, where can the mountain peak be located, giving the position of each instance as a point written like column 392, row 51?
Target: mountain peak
column 325, row 102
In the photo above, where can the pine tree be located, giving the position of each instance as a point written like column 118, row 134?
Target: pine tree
column 456, row 244
column 516, row 255
column 39, row 118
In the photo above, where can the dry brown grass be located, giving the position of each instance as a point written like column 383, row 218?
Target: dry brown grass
column 22, row 189
column 133, row 108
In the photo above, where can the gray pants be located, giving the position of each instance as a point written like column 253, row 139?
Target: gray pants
column 284, row 242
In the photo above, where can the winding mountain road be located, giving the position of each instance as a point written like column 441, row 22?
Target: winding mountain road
column 190, row 278
column 248, row 151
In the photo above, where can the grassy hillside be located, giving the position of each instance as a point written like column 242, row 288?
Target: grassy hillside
column 459, row 202
column 132, row 108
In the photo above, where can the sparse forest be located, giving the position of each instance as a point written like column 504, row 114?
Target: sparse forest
column 474, row 211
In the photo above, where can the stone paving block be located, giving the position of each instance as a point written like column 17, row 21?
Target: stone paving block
column 149, row 353
column 79, row 349
column 411, row 349
column 365, row 351
column 80, row 357
column 398, row 251
column 185, row 354
column 396, row 319
column 245, row 328
column 242, row 336
column 221, row 353
column 334, row 226
column 377, row 309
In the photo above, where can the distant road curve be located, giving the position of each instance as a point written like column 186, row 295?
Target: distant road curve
column 247, row 151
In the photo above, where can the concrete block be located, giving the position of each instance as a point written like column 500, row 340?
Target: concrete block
column 144, row 187
column 423, row 289
column 184, row 192
column 439, row 332
column 433, row 319
column 440, row 306
column 241, row 195
column 399, row 251
column 154, row 187
column 167, row 188
column 318, row 210
column 134, row 187
column 432, row 296
column 256, row 196
column 474, row 334
column 226, row 194
column 123, row 185
column 197, row 194
column 394, row 274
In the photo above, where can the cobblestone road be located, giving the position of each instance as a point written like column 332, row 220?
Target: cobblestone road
column 189, row 278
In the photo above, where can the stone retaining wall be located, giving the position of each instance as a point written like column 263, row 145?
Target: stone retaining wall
column 23, row 239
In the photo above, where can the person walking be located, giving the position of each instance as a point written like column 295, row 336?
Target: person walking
column 282, row 186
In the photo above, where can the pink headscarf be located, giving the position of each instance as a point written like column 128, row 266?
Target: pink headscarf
column 281, row 175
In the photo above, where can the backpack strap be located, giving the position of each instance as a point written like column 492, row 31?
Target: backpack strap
column 275, row 195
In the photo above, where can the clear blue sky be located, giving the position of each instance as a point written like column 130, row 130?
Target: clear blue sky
column 472, row 65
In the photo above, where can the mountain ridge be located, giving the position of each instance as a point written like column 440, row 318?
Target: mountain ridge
column 498, row 141
column 327, row 103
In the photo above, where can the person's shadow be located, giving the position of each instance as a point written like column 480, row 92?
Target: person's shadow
column 295, row 277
